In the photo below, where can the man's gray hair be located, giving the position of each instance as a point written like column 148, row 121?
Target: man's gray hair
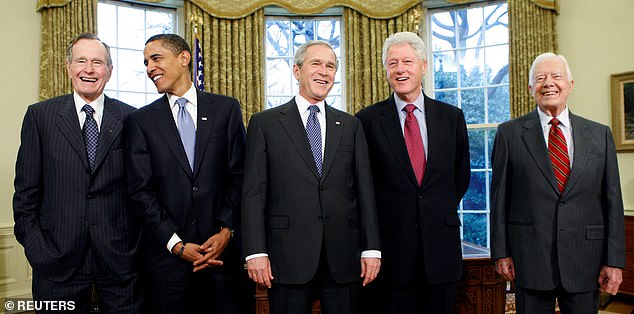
column 301, row 51
column 69, row 48
column 546, row 56
column 405, row 38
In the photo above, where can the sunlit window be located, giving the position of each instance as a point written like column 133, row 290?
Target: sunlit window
column 284, row 34
column 125, row 27
column 470, row 64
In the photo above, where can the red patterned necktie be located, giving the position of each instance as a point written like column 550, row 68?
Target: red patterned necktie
column 558, row 151
column 414, row 142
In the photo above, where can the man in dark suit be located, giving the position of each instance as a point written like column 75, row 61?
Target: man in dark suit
column 70, row 200
column 309, row 217
column 184, row 178
column 556, row 208
column 420, row 162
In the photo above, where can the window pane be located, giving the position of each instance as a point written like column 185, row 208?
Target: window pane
column 302, row 31
column 497, row 63
column 476, row 148
column 159, row 22
column 278, row 77
column 272, row 102
column 443, row 31
column 499, row 104
column 113, row 83
column 470, row 28
column 475, row 228
column 491, row 139
column 329, row 31
column 448, row 97
column 133, row 99
column 131, row 28
column 131, row 70
column 277, row 42
column 334, row 101
column 475, row 199
column 107, row 31
column 497, row 24
column 445, row 70
column 472, row 101
column 472, row 63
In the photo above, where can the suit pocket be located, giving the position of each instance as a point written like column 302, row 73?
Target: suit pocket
column 47, row 223
column 277, row 222
column 595, row 232
column 452, row 219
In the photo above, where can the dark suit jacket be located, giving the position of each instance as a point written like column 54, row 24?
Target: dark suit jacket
column 290, row 212
column 404, row 206
column 555, row 237
column 164, row 191
column 60, row 207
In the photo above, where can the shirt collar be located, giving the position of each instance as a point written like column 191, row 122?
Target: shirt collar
column 563, row 117
column 190, row 95
column 97, row 104
column 419, row 103
column 303, row 104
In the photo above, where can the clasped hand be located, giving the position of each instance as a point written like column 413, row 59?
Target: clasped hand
column 206, row 255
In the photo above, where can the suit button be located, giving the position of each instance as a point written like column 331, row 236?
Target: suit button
column 195, row 188
column 321, row 188
column 194, row 221
column 420, row 196
column 90, row 196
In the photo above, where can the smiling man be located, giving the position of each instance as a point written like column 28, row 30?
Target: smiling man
column 420, row 162
column 556, row 208
column 184, row 165
column 70, row 205
column 308, row 213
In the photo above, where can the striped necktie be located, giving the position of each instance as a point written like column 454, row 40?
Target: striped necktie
column 558, row 152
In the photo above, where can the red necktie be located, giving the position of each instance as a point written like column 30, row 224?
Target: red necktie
column 414, row 142
column 558, row 151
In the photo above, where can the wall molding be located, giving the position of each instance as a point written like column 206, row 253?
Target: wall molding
column 15, row 271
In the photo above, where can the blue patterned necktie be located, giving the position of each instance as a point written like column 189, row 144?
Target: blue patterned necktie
column 313, row 131
column 91, row 135
column 187, row 130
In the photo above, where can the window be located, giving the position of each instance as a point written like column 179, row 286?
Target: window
column 286, row 33
column 125, row 27
column 469, row 62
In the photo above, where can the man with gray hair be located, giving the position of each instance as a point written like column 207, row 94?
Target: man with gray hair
column 70, row 206
column 419, row 153
column 308, row 210
column 556, row 208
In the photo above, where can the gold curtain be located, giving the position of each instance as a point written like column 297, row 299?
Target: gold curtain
column 61, row 21
column 366, row 81
column 532, row 32
column 232, row 55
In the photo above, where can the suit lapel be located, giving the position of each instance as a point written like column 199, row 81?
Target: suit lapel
column 295, row 130
column 534, row 140
column 580, row 139
column 110, row 128
column 333, row 135
column 390, row 123
column 436, row 128
column 206, row 118
column 68, row 124
column 167, row 127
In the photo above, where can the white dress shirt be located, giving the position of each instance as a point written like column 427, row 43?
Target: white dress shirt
column 97, row 104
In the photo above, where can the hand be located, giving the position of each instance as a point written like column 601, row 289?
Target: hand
column 191, row 251
column 610, row 279
column 369, row 269
column 259, row 270
column 212, row 249
column 506, row 268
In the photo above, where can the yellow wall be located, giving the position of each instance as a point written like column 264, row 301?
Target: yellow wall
column 19, row 75
column 596, row 38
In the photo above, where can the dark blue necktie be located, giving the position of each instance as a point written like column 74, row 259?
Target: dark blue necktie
column 187, row 130
column 91, row 135
column 313, row 131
